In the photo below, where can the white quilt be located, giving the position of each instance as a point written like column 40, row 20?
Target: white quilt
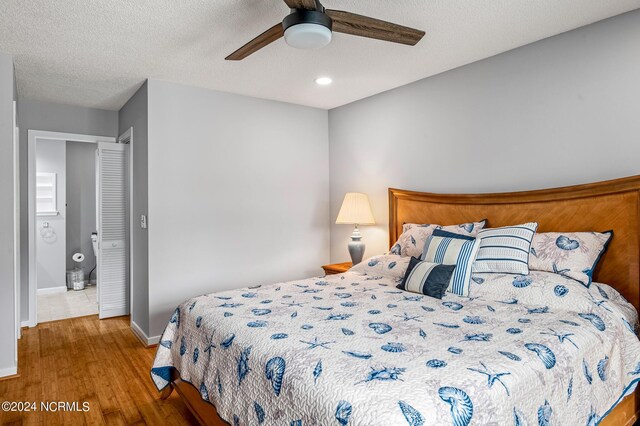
column 353, row 349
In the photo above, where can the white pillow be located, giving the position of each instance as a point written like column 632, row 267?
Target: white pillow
column 505, row 249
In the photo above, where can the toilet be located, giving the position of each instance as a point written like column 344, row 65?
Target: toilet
column 94, row 242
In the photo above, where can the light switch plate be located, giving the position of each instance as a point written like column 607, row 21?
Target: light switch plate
column 143, row 221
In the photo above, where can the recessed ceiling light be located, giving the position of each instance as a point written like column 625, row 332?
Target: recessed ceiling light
column 323, row 81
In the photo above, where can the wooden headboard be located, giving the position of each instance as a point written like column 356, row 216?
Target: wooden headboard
column 602, row 206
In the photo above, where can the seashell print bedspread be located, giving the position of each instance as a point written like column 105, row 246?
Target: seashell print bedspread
column 351, row 349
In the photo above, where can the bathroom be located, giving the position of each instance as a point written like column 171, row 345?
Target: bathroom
column 65, row 229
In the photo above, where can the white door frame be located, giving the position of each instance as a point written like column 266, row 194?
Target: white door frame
column 16, row 222
column 34, row 135
column 127, row 138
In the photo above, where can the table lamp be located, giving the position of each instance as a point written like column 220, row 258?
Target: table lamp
column 355, row 210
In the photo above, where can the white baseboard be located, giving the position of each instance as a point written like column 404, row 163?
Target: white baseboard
column 147, row 341
column 12, row 371
column 52, row 290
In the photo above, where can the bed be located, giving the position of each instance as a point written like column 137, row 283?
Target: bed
column 352, row 349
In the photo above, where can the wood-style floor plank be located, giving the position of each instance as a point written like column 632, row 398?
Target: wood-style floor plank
column 88, row 360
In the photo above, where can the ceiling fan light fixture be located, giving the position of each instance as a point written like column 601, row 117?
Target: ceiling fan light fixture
column 307, row 36
column 307, row 29
column 309, row 26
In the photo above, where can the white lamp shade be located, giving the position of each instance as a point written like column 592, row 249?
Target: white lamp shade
column 355, row 210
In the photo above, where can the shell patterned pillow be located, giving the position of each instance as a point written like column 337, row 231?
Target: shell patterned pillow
column 571, row 254
column 414, row 236
column 384, row 265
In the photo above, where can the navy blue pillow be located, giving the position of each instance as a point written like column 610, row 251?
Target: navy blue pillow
column 431, row 279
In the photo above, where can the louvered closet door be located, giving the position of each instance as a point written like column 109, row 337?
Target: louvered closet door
column 112, row 198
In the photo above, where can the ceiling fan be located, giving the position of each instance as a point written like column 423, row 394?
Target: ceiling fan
column 309, row 26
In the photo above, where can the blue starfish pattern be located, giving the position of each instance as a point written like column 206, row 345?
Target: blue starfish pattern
column 599, row 303
column 491, row 376
column 407, row 317
column 317, row 343
column 210, row 345
column 562, row 337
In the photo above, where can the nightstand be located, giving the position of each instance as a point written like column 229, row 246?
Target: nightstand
column 336, row 268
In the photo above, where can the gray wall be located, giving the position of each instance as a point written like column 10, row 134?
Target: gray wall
column 51, row 241
column 81, row 203
column 7, row 306
column 135, row 114
column 54, row 118
column 238, row 193
column 564, row 110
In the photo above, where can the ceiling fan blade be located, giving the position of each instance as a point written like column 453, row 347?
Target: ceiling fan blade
column 301, row 4
column 364, row 26
column 267, row 37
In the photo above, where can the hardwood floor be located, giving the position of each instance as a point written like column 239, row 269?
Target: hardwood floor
column 88, row 360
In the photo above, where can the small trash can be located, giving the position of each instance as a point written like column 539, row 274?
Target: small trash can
column 75, row 279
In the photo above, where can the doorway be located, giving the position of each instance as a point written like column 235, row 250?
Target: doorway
column 78, row 195
column 66, row 227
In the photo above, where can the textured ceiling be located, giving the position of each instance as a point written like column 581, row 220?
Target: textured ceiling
column 96, row 53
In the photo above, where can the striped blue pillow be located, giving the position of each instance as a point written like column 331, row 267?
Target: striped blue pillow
column 453, row 249
column 506, row 249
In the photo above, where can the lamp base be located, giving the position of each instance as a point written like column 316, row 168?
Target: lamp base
column 356, row 246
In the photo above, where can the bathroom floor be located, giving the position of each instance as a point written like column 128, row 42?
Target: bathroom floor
column 70, row 304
